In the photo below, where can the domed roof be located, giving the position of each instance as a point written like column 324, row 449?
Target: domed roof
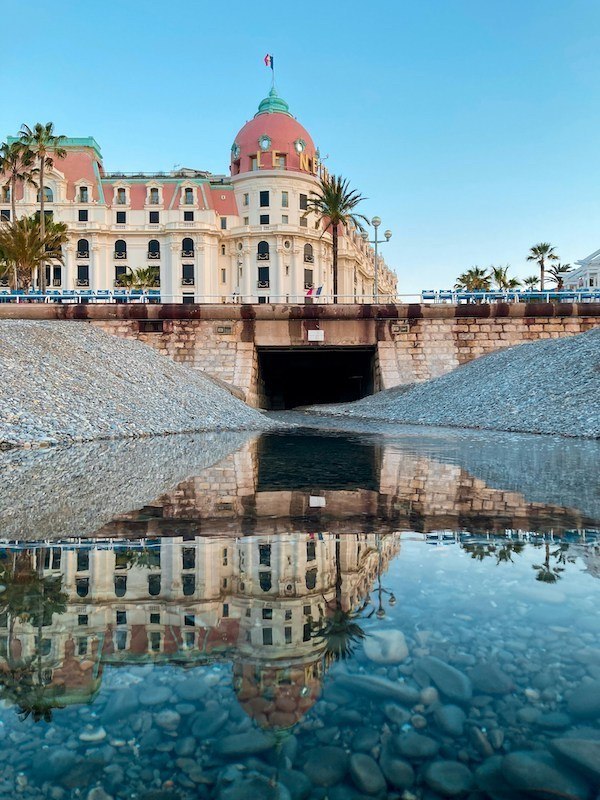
column 276, row 697
column 273, row 139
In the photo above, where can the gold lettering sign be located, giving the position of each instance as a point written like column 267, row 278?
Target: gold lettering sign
column 305, row 162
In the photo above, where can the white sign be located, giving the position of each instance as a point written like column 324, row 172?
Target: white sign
column 316, row 336
column 316, row 502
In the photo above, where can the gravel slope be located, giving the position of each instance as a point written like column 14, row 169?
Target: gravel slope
column 63, row 382
column 550, row 386
column 131, row 473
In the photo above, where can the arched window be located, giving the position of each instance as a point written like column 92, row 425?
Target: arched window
column 48, row 195
column 120, row 248
column 153, row 585
column 311, row 578
column 153, row 248
column 83, row 248
column 308, row 253
column 189, row 584
column 120, row 585
column 187, row 247
column 263, row 251
column 264, row 579
column 82, row 586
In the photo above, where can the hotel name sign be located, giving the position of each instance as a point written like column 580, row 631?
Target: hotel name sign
column 308, row 163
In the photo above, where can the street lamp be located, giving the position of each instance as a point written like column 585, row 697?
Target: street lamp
column 376, row 222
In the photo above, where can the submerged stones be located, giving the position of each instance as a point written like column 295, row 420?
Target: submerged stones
column 366, row 774
column 386, row 647
column 380, row 687
column 489, row 678
column 584, row 701
column 450, row 719
column 449, row 778
column 583, row 755
column 539, row 775
column 326, row 766
column 451, row 682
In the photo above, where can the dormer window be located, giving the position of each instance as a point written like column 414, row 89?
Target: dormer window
column 121, row 196
column 83, row 194
column 188, row 196
column 154, row 198
column 6, row 194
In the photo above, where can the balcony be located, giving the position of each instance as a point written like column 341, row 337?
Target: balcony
column 262, row 257
column 56, row 282
column 187, row 253
column 153, row 255
column 83, row 254
column 119, row 254
column 309, row 259
column 263, row 284
column 187, row 282
column 309, row 286
column 82, row 282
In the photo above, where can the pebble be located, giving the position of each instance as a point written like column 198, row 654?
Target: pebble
column 326, row 766
column 451, row 682
column 449, row 778
column 366, row 774
column 386, row 647
column 450, row 719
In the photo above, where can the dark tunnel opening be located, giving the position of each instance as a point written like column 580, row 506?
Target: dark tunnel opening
column 290, row 378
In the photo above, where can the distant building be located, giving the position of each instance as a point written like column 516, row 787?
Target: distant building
column 587, row 276
column 249, row 236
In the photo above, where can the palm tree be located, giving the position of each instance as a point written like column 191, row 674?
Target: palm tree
column 556, row 273
column 540, row 253
column 473, row 280
column 25, row 249
column 16, row 165
column 142, row 278
column 335, row 203
column 41, row 141
column 531, row 282
column 501, row 279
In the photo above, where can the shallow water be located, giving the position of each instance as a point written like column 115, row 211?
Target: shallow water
column 409, row 613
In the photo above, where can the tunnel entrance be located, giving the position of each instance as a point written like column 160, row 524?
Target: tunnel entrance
column 304, row 376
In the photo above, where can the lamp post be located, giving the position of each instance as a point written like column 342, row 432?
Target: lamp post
column 376, row 222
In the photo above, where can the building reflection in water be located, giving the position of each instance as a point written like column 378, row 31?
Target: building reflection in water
column 280, row 609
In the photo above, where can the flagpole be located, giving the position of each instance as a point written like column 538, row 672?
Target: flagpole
column 272, row 73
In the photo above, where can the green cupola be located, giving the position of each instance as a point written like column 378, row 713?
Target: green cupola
column 273, row 104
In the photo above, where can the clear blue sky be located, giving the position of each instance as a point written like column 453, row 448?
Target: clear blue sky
column 471, row 126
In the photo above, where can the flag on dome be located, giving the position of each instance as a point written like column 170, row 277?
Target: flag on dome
column 269, row 61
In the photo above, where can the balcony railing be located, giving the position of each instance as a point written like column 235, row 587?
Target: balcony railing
column 187, row 253
column 56, row 282
column 83, row 254
column 187, row 282
column 263, row 284
column 309, row 286
column 309, row 259
column 120, row 254
column 82, row 282
column 153, row 255
column 262, row 256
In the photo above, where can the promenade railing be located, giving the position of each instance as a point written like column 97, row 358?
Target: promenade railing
column 435, row 296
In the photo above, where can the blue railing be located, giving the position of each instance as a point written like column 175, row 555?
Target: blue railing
column 81, row 296
column 456, row 296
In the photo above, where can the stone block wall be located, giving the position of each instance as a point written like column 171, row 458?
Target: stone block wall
column 415, row 350
column 412, row 343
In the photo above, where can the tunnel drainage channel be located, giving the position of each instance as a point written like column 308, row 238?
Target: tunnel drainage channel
column 292, row 377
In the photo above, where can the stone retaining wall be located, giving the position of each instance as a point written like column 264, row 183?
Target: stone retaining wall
column 413, row 342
